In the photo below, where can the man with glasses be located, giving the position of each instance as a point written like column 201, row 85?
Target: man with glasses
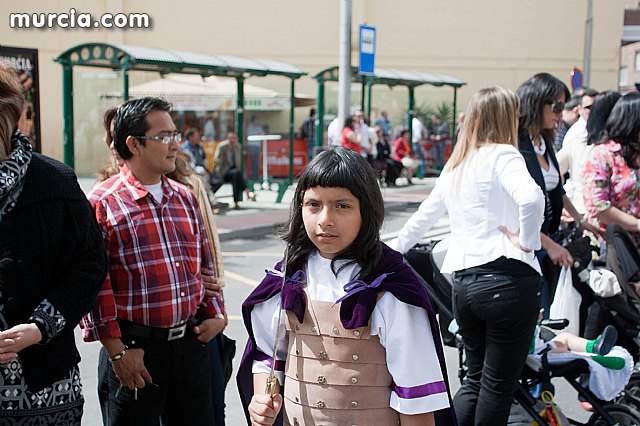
column 578, row 132
column 152, row 315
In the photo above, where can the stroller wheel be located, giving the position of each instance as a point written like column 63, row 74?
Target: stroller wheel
column 622, row 414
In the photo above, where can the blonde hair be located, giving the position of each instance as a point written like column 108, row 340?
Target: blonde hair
column 491, row 117
column 11, row 105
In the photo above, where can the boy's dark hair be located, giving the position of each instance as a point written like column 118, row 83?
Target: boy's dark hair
column 539, row 90
column 338, row 168
column 623, row 126
column 131, row 120
column 189, row 132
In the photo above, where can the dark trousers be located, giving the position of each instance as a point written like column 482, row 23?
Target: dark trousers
column 237, row 183
column 217, row 383
column 181, row 393
column 497, row 315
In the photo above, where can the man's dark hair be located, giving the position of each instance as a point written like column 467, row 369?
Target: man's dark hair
column 190, row 132
column 131, row 120
column 312, row 112
column 404, row 132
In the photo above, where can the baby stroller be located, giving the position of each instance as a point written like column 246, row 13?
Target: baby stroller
column 426, row 259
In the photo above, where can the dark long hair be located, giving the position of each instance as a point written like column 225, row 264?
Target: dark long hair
column 602, row 106
column 623, row 126
column 538, row 91
column 338, row 168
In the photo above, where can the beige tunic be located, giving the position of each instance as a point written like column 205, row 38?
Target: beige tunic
column 335, row 376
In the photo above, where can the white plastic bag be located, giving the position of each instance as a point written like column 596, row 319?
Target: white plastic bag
column 566, row 302
column 604, row 283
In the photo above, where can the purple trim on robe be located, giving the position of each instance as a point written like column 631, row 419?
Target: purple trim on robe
column 267, row 360
column 420, row 391
column 355, row 312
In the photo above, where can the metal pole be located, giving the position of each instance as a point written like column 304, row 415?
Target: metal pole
column 363, row 94
column 588, row 33
column 320, row 115
column 410, row 112
column 125, row 80
column 344, row 75
column 67, row 115
column 454, row 118
column 291, row 134
column 369, row 85
column 240, row 121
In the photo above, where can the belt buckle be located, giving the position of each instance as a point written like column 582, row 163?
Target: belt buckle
column 177, row 332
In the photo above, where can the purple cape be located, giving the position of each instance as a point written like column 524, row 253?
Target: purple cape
column 355, row 312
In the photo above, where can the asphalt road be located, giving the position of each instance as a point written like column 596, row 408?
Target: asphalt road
column 245, row 261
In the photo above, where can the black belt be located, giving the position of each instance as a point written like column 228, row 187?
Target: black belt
column 157, row 333
column 470, row 278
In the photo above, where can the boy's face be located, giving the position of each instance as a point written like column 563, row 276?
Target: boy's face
column 331, row 218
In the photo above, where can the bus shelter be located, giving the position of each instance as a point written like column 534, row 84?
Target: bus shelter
column 126, row 58
column 391, row 78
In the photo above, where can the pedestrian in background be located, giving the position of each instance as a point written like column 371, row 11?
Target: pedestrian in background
column 227, row 165
column 308, row 133
column 379, row 348
column 350, row 136
column 52, row 264
column 402, row 154
column 496, row 211
column 438, row 135
column 153, row 317
column 542, row 99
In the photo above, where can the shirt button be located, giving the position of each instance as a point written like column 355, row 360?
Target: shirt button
column 177, row 264
column 354, row 380
column 314, row 329
column 322, row 355
column 356, row 333
column 297, row 327
column 355, row 357
column 354, row 404
column 335, row 330
column 182, row 293
column 321, row 404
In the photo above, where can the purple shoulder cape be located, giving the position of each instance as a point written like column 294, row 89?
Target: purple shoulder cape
column 355, row 311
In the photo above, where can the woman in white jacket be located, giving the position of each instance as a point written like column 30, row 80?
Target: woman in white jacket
column 496, row 210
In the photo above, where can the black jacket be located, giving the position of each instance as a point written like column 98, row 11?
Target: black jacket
column 50, row 248
column 553, row 199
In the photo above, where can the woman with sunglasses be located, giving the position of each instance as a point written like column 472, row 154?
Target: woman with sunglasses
column 542, row 99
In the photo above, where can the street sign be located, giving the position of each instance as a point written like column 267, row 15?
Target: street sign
column 367, row 50
column 576, row 78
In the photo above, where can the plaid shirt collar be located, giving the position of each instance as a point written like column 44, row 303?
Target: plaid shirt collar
column 138, row 190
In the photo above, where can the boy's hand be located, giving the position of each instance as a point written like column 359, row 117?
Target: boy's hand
column 263, row 409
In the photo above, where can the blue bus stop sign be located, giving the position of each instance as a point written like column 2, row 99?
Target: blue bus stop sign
column 576, row 78
column 367, row 50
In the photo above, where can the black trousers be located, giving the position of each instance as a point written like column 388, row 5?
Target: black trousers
column 497, row 314
column 237, row 183
column 180, row 370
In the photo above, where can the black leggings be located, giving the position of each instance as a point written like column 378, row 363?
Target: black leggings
column 497, row 314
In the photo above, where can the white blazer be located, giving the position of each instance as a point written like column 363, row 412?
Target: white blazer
column 491, row 188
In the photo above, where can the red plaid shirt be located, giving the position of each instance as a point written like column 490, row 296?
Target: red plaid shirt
column 155, row 255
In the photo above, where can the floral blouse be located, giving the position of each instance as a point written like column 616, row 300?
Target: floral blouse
column 610, row 182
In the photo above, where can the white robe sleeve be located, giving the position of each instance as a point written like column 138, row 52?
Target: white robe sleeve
column 264, row 320
column 418, row 386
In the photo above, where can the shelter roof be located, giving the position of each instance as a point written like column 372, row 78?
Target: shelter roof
column 121, row 56
column 394, row 77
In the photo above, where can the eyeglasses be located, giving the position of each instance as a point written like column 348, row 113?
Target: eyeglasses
column 556, row 106
column 166, row 140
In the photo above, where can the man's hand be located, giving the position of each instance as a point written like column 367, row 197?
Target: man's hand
column 209, row 328
column 263, row 409
column 130, row 369
column 210, row 282
column 16, row 339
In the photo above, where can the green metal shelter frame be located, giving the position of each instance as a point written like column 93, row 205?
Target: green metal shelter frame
column 391, row 78
column 135, row 58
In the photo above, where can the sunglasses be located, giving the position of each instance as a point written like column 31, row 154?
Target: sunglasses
column 556, row 106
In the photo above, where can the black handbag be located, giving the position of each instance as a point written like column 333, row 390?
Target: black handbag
column 227, row 350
